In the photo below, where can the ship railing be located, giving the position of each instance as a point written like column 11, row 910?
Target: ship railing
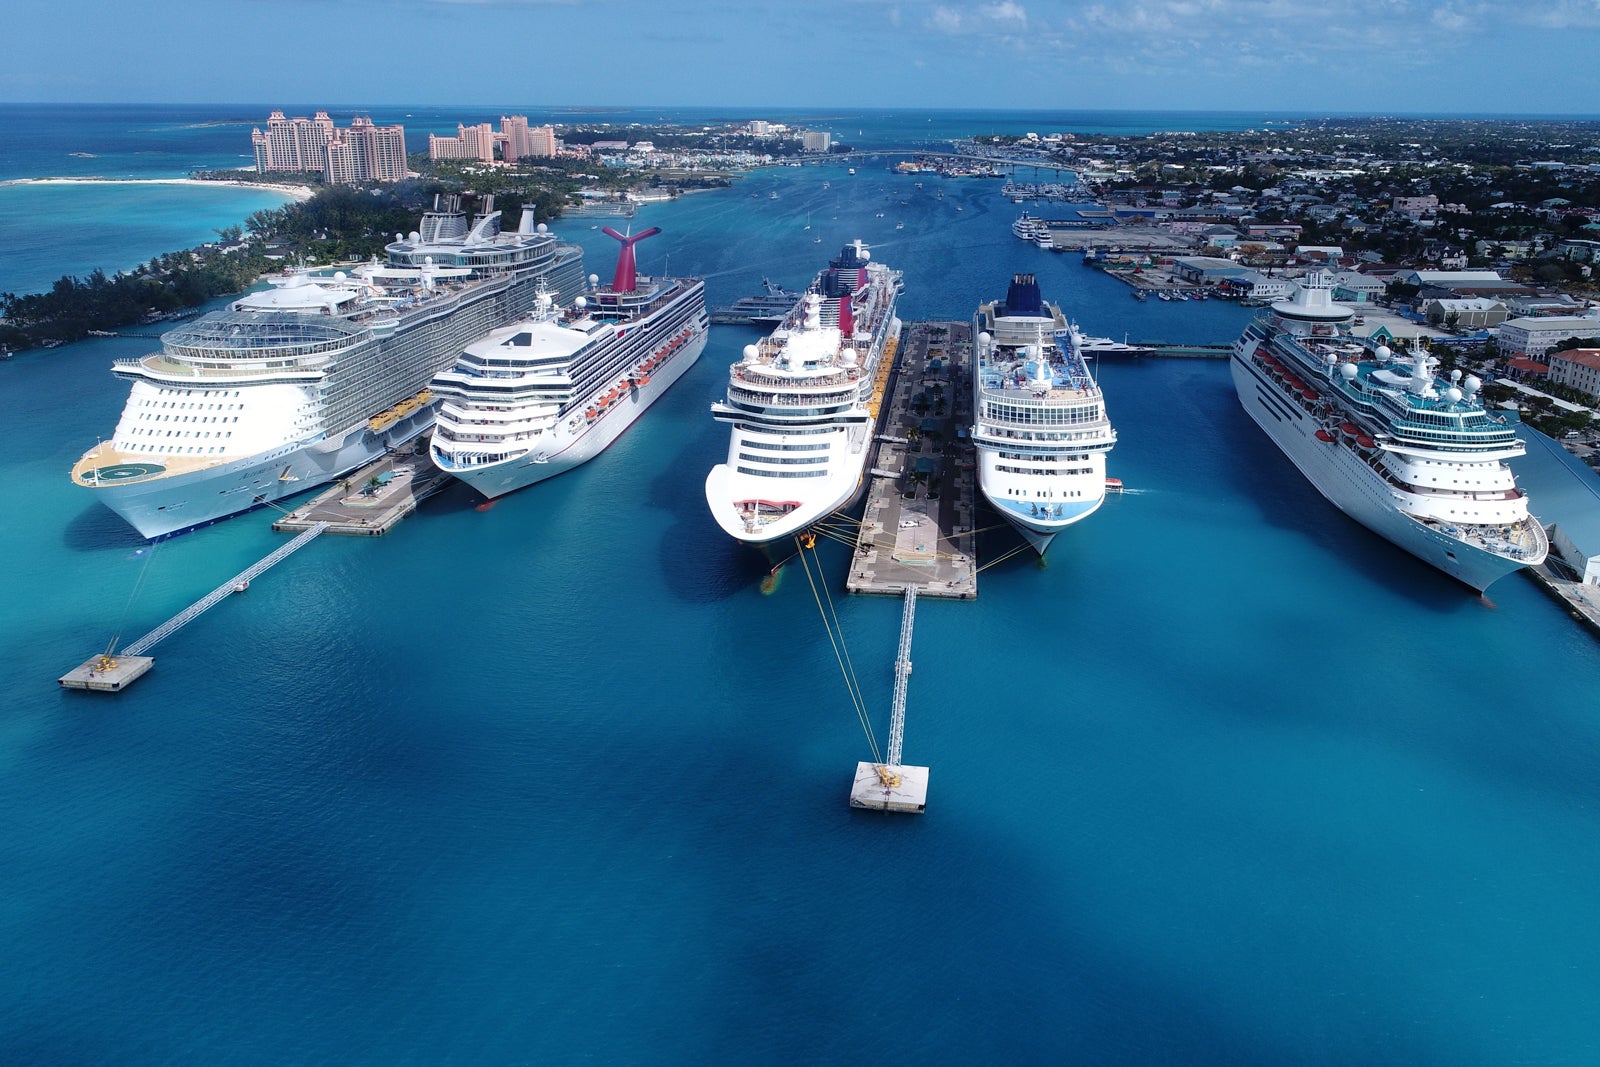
column 155, row 364
column 741, row 373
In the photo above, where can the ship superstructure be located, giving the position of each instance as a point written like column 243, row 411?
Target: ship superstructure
column 317, row 374
column 539, row 397
column 1040, row 423
column 802, row 403
column 1416, row 459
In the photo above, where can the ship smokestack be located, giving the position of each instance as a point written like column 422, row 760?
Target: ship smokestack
column 847, row 322
column 626, row 278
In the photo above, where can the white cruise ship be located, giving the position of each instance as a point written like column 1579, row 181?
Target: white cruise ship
column 802, row 404
column 305, row 381
column 1417, row 460
column 535, row 399
column 1041, row 428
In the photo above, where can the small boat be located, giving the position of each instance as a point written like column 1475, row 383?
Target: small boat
column 239, row 587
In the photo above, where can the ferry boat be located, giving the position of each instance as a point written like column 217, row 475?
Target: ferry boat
column 537, row 398
column 1415, row 459
column 802, row 404
column 767, row 309
column 1041, row 428
column 316, row 375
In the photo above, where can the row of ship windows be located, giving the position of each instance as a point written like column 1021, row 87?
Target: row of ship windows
column 183, row 433
column 165, row 404
column 783, row 474
column 1055, row 471
column 191, row 392
column 188, row 418
column 782, row 448
column 784, row 459
column 1024, row 456
column 1042, row 416
column 745, row 427
column 1042, row 494
column 192, row 450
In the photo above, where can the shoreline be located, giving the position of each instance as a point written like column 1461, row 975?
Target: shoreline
column 299, row 193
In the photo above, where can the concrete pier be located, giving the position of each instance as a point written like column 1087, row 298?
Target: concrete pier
column 880, row 787
column 107, row 674
column 917, row 523
column 369, row 502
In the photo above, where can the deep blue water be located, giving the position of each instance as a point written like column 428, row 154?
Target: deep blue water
column 1229, row 781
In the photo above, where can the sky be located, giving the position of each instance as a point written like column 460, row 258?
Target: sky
column 1323, row 56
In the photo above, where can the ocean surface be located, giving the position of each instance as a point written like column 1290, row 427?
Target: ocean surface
column 1228, row 781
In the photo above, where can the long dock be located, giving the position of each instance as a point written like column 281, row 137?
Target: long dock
column 110, row 672
column 917, row 524
column 369, row 502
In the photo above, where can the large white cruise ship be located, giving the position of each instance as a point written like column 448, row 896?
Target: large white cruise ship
column 309, row 379
column 1040, row 423
column 535, row 399
column 802, row 404
column 1415, row 459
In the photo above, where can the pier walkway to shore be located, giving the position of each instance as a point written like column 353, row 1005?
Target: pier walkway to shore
column 917, row 524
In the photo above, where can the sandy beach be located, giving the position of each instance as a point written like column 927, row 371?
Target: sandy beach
column 298, row 192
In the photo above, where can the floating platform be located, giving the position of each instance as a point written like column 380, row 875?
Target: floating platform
column 879, row 787
column 107, row 674
column 917, row 524
column 369, row 502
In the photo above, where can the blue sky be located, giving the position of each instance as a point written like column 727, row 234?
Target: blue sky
column 1332, row 56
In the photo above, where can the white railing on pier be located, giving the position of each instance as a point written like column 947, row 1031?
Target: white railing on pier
column 211, row 599
column 902, row 678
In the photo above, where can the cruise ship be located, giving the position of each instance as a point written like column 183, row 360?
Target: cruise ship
column 1041, row 428
column 1416, row 459
column 802, row 404
column 314, row 376
column 537, row 398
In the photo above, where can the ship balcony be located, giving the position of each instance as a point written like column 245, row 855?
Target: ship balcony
column 755, row 378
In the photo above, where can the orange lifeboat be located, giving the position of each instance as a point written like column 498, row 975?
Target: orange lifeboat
column 591, row 413
column 641, row 379
column 1325, row 437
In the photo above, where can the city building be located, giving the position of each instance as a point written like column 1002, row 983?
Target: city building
column 816, row 141
column 1465, row 313
column 1577, row 367
column 518, row 140
column 1534, row 336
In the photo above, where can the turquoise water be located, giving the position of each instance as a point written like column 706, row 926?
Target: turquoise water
column 1230, row 780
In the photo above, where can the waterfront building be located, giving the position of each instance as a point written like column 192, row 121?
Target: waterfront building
column 816, row 141
column 362, row 152
column 292, row 144
column 1533, row 337
column 470, row 142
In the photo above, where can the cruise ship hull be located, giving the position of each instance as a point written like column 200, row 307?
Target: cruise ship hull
column 1351, row 486
column 164, row 507
column 575, row 440
column 843, row 486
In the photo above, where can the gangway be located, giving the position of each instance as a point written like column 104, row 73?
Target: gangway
column 891, row 785
column 113, row 671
